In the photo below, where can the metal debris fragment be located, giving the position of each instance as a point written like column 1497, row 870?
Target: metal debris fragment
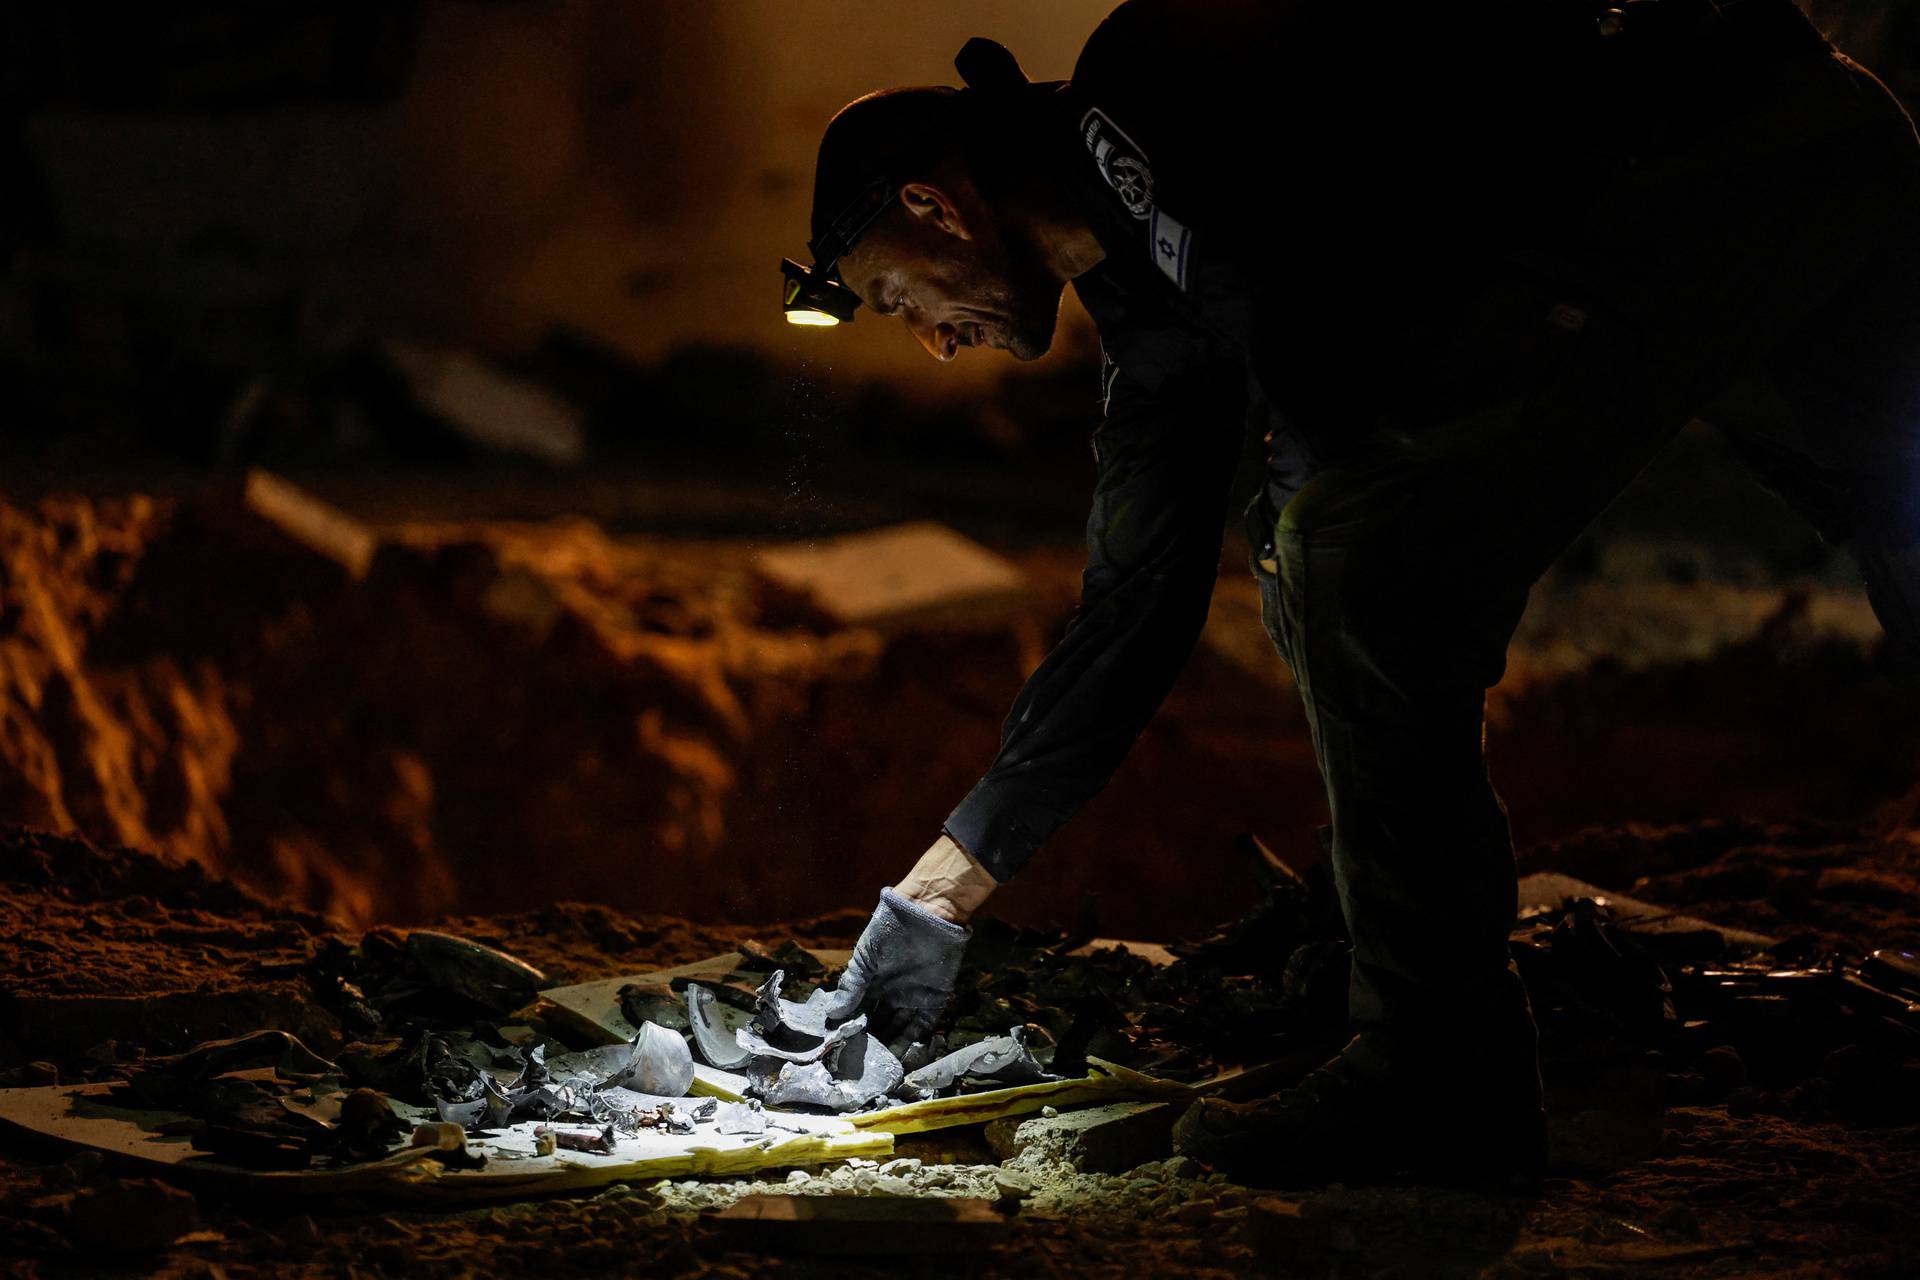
column 866, row 1071
column 758, row 1045
column 491, row 979
column 786, row 1084
column 778, row 1017
column 747, row 1117
column 794, row 1058
column 710, row 1035
column 655, row 1061
column 1004, row 1058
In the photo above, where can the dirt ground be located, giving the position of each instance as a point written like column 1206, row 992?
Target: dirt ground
column 152, row 952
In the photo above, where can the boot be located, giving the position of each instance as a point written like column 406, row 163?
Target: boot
column 1358, row 1119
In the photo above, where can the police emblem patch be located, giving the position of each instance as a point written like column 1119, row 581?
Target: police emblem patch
column 1121, row 162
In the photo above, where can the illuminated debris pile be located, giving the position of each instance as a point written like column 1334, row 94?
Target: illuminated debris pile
column 627, row 1086
column 446, row 996
column 1263, row 987
column 792, row 1056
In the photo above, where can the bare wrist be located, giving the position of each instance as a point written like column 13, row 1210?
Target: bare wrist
column 947, row 882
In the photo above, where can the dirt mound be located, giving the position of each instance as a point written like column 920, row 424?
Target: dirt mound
column 1819, row 888
column 113, row 947
column 400, row 724
column 133, row 752
column 482, row 718
column 561, row 719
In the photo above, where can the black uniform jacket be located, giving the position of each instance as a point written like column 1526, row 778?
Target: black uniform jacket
column 1285, row 193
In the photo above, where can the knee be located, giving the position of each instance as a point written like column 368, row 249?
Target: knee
column 1411, row 621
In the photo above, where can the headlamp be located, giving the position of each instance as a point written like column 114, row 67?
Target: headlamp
column 815, row 294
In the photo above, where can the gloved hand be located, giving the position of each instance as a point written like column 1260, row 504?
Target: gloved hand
column 903, row 968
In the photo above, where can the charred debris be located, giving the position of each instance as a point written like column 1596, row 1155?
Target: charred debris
column 444, row 1036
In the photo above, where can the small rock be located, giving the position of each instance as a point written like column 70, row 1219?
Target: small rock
column 1012, row 1184
column 797, row 1177
column 1049, row 1112
column 1143, row 1186
column 1184, row 1167
column 904, row 1164
column 892, row 1186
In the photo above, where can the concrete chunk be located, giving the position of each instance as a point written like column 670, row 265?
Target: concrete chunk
column 1109, row 1139
column 905, row 575
column 310, row 522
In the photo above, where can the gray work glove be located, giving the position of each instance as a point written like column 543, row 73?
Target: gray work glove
column 903, row 969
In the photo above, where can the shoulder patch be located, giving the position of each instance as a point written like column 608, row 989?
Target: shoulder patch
column 1122, row 163
column 1171, row 245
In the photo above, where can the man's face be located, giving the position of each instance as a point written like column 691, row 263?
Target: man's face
column 956, row 280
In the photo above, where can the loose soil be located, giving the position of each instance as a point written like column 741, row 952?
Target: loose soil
column 1747, row 1187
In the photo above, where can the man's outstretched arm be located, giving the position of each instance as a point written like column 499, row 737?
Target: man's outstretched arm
column 1166, row 459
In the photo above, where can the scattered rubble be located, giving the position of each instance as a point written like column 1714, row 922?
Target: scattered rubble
column 1795, row 1136
column 794, row 1057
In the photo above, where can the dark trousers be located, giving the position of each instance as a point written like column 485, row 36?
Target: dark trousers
column 1761, row 268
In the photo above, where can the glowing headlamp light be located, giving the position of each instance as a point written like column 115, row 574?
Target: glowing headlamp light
column 815, row 295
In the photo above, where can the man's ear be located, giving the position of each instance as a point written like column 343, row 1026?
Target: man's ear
column 933, row 207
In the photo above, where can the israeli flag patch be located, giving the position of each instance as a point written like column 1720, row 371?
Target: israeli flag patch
column 1171, row 244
